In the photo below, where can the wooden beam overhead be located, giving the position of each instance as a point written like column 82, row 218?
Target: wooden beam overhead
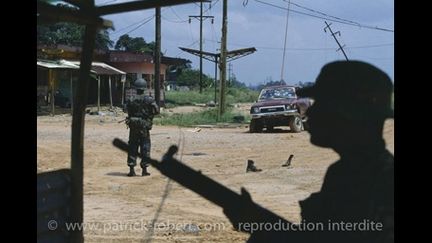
column 47, row 13
column 139, row 5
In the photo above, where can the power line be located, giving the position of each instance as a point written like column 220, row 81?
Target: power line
column 325, row 18
column 174, row 21
column 175, row 13
column 206, row 10
column 315, row 11
column 214, row 38
column 310, row 49
column 145, row 22
column 193, row 43
column 211, row 6
column 371, row 46
column 145, row 19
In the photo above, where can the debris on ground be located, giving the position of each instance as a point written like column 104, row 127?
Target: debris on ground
column 196, row 129
column 288, row 162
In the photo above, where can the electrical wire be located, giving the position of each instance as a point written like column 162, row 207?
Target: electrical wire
column 145, row 22
column 311, row 49
column 326, row 18
column 330, row 16
column 145, row 19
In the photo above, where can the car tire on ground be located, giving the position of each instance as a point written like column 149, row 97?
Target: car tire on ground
column 255, row 126
column 296, row 124
column 305, row 124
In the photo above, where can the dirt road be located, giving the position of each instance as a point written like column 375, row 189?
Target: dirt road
column 121, row 209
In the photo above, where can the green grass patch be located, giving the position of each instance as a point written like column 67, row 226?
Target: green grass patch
column 207, row 117
column 233, row 95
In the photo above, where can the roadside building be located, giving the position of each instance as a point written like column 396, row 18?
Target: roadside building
column 112, row 74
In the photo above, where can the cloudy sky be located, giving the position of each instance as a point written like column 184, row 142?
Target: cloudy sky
column 366, row 31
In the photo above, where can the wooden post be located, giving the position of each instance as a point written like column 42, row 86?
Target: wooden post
column 51, row 82
column 110, row 91
column 223, row 61
column 215, row 80
column 123, row 92
column 77, row 145
column 98, row 99
column 71, row 92
column 157, row 56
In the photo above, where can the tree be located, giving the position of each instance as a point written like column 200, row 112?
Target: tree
column 304, row 84
column 127, row 43
column 274, row 83
column 190, row 78
column 123, row 43
column 174, row 70
column 235, row 83
column 70, row 34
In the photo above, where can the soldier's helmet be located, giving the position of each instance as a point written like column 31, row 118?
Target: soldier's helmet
column 140, row 84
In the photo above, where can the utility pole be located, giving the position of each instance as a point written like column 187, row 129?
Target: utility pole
column 215, row 80
column 201, row 44
column 285, row 40
column 200, row 18
column 229, row 73
column 334, row 36
column 214, row 57
column 223, row 60
column 157, row 56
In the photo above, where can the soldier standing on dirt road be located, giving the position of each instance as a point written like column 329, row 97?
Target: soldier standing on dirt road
column 141, row 109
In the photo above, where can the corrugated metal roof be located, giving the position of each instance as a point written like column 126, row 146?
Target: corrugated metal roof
column 60, row 64
column 101, row 68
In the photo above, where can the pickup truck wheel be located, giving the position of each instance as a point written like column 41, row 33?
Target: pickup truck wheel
column 255, row 126
column 296, row 124
column 305, row 124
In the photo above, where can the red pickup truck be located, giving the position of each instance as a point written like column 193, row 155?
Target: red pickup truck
column 279, row 106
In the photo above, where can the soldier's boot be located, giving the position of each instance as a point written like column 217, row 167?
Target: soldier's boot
column 144, row 171
column 144, row 164
column 131, row 171
column 251, row 167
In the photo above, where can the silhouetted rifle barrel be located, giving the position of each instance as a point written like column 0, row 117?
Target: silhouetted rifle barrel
column 203, row 185
column 187, row 177
column 122, row 120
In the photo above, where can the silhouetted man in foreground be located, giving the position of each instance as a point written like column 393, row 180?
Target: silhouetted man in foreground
column 352, row 100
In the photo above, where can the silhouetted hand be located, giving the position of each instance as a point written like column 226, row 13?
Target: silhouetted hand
column 244, row 212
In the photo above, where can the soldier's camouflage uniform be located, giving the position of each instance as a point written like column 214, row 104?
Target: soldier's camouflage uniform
column 141, row 110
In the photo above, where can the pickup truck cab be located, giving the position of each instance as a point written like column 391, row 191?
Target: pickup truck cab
column 278, row 106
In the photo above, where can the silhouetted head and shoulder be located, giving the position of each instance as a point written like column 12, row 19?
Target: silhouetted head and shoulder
column 352, row 100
